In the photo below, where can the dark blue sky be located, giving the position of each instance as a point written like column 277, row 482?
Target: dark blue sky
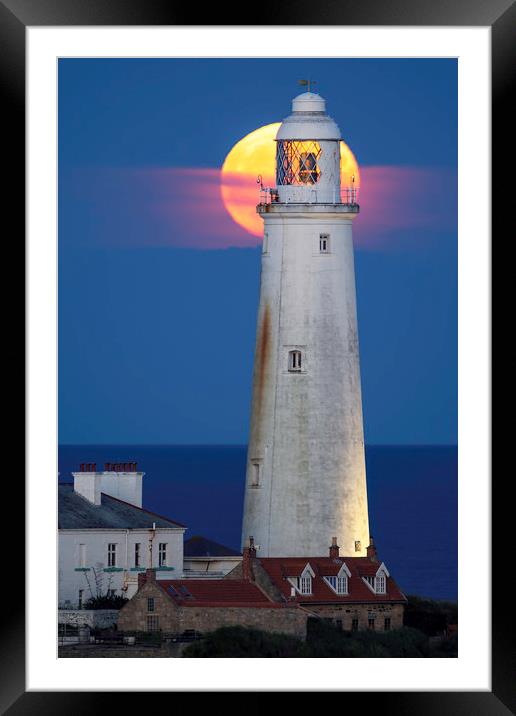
column 156, row 339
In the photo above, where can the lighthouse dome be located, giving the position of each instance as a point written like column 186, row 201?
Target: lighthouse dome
column 308, row 120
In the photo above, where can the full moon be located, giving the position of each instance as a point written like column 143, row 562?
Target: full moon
column 255, row 155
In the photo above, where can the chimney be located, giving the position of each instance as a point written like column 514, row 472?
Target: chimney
column 118, row 480
column 334, row 548
column 88, row 484
column 248, row 555
column 148, row 576
column 371, row 551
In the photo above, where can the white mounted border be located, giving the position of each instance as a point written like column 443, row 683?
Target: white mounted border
column 471, row 671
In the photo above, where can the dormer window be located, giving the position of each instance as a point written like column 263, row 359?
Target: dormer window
column 305, row 584
column 377, row 583
column 339, row 582
column 380, row 583
column 294, row 361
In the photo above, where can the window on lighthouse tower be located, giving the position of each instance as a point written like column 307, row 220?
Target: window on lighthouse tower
column 324, row 243
column 294, row 361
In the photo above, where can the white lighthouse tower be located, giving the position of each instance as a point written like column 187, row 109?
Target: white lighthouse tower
column 306, row 480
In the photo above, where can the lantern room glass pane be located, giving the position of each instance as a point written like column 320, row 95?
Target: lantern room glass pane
column 297, row 162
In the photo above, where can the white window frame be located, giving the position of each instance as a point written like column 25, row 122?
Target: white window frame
column 304, row 581
column 112, row 554
column 137, row 554
column 81, row 558
column 380, row 583
column 373, row 582
column 162, row 554
column 339, row 582
column 305, row 584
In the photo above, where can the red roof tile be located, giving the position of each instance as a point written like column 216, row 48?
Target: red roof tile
column 216, row 592
column 280, row 568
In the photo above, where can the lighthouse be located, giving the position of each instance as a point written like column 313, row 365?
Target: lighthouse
column 305, row 476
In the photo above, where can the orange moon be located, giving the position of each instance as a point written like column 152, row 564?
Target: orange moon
column 253, row 155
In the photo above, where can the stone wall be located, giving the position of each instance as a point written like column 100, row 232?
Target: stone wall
column 176, row 619
column 94, row 618
column 97, row 651
column 285, row 620
column 133, row 615
column 346, row 613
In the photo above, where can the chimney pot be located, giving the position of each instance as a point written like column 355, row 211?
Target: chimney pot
column 371, row 551
column 334, row 548
column 247, row 557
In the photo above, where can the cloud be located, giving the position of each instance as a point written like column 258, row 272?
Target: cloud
column 400, row 204
column 183, row 207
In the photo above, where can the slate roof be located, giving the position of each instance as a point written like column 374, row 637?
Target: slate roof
column 76, row 513
column 216, row 593
column 198, row 546
column 280, row 568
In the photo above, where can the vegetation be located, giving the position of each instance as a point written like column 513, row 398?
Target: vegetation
column 324, row 641
column 102, row 597
column 430, row 616
column 105, row 601
column 241, row 642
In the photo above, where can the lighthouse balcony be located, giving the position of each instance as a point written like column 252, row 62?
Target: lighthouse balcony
column 344, row 201
column 291, row 207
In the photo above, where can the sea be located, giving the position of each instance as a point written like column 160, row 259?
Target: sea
column 412, row 494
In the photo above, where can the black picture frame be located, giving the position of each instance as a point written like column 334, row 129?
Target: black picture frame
column 500, row 16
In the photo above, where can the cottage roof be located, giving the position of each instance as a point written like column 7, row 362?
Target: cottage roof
column 76, row 513
column 280, row 569
column 198, row 546
column 216, row 593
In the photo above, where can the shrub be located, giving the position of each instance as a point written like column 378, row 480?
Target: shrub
column 241, row 642
column 324, row 641
column 428, row 615
column 105, row 602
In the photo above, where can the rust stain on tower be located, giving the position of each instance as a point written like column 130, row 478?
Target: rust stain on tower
column 263, row 349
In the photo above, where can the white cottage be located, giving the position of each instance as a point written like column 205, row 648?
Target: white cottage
column 106, row 537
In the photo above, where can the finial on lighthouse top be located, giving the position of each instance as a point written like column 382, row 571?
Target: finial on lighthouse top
column 308, row 102
column 308, row 120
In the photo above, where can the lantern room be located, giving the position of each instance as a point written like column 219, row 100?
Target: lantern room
column 308, row 154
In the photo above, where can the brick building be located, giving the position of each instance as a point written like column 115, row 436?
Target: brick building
column 352, row 592
column 274, row 594
column 178, row 605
